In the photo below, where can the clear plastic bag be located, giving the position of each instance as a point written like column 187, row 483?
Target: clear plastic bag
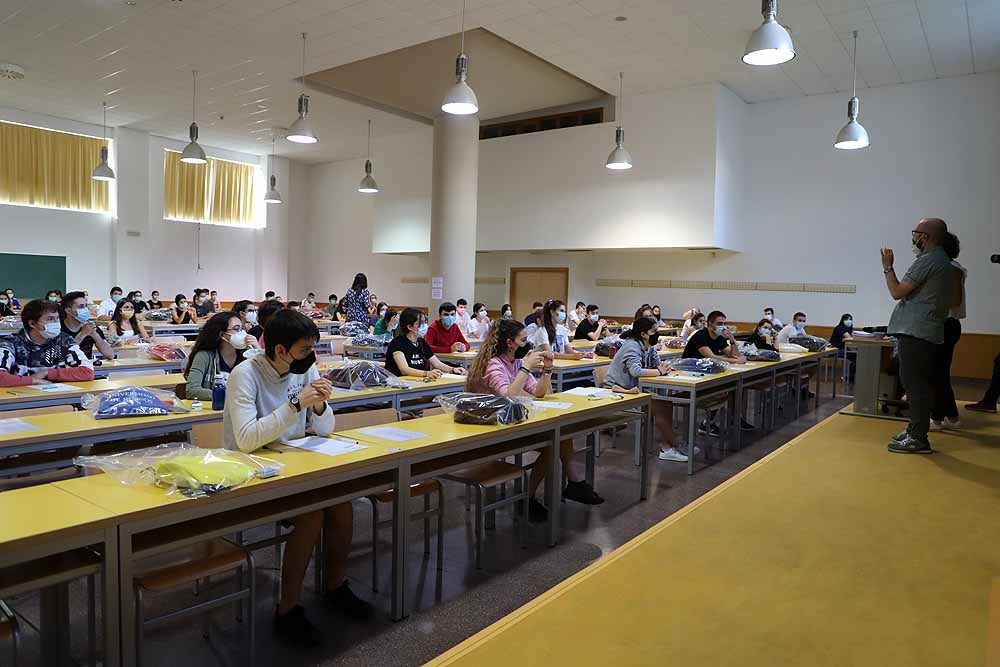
column 811, row 343
column 166, row 352
column 351, row 329
column 675, row 343
column 485, row 409
column 360, row 374
column 180, row 466
column 131, row 402
column 753, row 353
column 706, row 366
column 370, row 340
column 158, row 315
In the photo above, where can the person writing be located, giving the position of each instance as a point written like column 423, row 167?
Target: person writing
column 923, row 298
column 637, row 358
column 444, row 336
column 41, row 352
column 592, row 327
column 504, row 367
column 76, row 322
column 409, row 354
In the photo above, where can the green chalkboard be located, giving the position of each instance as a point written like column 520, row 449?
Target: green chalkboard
column 32, row 276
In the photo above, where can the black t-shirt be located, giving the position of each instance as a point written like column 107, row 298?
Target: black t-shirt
column 155, row 305
column 584, row 328
column 700, row 339
column 256, row 331
column 87, row 344
column 417, row 354
column 758, row 341
column 837, row 337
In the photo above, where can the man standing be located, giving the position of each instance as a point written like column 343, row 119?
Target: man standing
column 923, row 298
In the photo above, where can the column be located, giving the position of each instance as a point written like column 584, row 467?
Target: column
column 454, row 193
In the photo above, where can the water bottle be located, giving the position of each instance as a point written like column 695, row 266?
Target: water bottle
column 218, row 393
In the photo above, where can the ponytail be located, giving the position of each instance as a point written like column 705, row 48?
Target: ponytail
column 494, row 345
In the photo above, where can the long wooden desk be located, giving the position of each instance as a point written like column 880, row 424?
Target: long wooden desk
column 157, row 328
column 137, row 364
column 19, row 398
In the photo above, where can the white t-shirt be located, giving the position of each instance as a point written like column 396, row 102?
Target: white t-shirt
column 561, row 346
column 107, row 308
column 958, row 312
column 575, row 318
column 786, row 332
column 464, row 322
column 478, row 330
column 689, row 328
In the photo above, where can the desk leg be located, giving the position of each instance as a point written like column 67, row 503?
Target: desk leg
column 774, row 398
column 126, row 598
column 400, row 522
column 798, row 389
column 553, row 482
column 55, row 625
column 109, row 598
column 738, row 413
column 692, row 419
column 646, row 426
column 816, row 406
column 834, row 358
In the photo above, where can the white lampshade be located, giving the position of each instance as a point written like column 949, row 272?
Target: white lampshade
column 272, row 196
column 301, row 131
column 619, row 158
column 460, row 99
column 770, row 43
column 103, row 172
column 368, row 185
column 193, row 153
column 853, row 135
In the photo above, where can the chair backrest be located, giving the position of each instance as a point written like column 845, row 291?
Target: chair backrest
column 600, row 373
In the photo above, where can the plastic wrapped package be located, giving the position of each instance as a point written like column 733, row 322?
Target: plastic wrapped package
column 484, row 409
column 131, row 402
column 361, row 374
column 676, row 343
column 166, row 352
column 351, row 329
column 369, row 340
column 174, row 466
column 706, row 366
column 793, row 349
column 158, row 315
column 811, row 343
column 11, row 323
column 753, row 353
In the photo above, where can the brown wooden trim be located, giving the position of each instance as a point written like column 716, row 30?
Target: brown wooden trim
column 512, row 296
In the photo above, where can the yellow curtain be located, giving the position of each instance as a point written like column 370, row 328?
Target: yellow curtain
column 48, row 168
column 232, row 192
column 185, row 187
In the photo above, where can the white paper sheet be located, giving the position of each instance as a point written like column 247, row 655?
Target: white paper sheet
column 328, row 446
column 54, row 387
column 588, row 391
column 392, row 433
column 552, row 405
column 13, row 425
column 341, row 390
column 453, row 376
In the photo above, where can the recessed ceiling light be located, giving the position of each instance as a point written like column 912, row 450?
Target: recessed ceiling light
column 130, row 3
column 621, row 18
column 11, row 71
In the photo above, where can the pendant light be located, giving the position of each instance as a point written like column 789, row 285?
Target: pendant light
column 770, row 43
column 853, row 135
column 193, row 153
column 461, row 99
column 103, row 172
column 272, row 196
column 301, row 132
column 619, row 158
column 368, row 184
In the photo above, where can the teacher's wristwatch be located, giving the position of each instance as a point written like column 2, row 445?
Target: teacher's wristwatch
column 294, row 400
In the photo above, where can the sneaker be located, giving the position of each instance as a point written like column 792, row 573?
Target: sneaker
column 901, row 436
column 746, row 426
column 581, row 492
column 712, row 430
column 982, row 406
column 673, row 454
column 537, row 513
column 952, row 423
column 293, row 627
column 936, row 425
column 910, row 446
column 346, row 602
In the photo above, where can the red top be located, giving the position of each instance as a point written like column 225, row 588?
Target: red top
column 441, row 339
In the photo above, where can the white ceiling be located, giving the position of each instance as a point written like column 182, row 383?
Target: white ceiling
column 247, row 53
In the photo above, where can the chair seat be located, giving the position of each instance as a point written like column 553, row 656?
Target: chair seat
column 221, row 557
column 417, row 490
column 488, row 474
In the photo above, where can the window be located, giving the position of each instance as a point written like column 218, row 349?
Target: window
column 50, row 169
column 219, row 192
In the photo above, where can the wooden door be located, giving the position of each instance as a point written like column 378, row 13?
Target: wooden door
column 528, row 285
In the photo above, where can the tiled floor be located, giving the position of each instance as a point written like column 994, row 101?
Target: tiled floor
column 452, row 604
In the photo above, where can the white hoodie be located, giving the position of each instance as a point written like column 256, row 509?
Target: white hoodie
column 257, row 409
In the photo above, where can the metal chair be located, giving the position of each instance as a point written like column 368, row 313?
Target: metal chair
column 10, row 630
column 422, row 489
column 220, row 557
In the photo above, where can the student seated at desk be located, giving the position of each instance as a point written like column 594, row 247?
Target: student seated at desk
column 270, row 296
column 136, row 298
column 219, row 348
column 380, row 310
column 154, row 302
column 657, row 312
column 592, row 327
column 203, row 305
column 769, row 315
column 504, row 367
column 577, row 315
column 246, row 310
column 480, row 324
column 645, row 310
column 443, row 335
column 410, row 355
column 294, row 305
column 279, row 395
column 12, row 301
column 552, row 336
column 41, row 352
column 309, row 303
column 76, row 322
column 124, row 323
column 843, row 331
column 638, row 358
column 693, row 325
column 763, row 336
column 387, row 324
column 52, row 296
column 6, row 309
column 797, row 327
column 181, row 313
column 715, row 342
column 331, row 308
column 462, row 316
column 506, row 312
column 107, row 307
column 536, row 312
column 265, row 312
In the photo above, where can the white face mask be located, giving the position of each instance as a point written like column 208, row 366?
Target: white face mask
column 238, row 340
column 769, row 318
column 252, row 316
column 52, row 330
column 482, row 314
column 182, row 305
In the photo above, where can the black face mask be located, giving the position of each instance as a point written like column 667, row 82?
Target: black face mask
column 653, row 338
column 300, row 366
column 522, row 352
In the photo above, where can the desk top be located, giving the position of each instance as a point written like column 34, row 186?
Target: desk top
column 37, row 511
column 679, row 379
column 138, row 364
column 880, row 341
column 11, row 396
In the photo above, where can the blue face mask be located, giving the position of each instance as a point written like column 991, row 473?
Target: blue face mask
column 83, row 314
column 720, row 329
column 561, row 316
column 447, row 320
column 52, row 330
column 765, row 331
column 848, row 323
column 801, row 326
column 116, row 297
column 422, row 331
column 595, row 317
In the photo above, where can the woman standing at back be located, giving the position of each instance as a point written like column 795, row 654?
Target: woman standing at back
column 944, row 410
column 358, row 300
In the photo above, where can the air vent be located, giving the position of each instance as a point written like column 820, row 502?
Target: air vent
column 11, row 71
column 543, row 123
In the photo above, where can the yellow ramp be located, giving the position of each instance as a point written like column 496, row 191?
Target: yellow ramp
column 831, row 551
